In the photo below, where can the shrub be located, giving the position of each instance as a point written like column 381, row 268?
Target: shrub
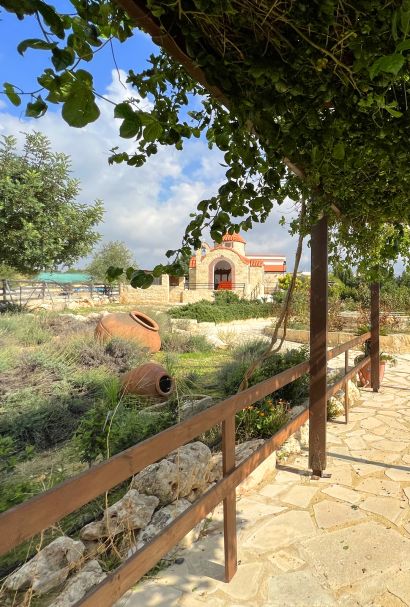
column 261, row 421
column 226, row 297
column 117, row 354
column 231, row 374
column 185, row 342
column 9, row 307
column 42, row 423
column 110, row 427
column 265, row 417
column 16, row 492
column 205, row 311
column 25, row 330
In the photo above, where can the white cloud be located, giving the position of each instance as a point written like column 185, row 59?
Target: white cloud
column 147, row 207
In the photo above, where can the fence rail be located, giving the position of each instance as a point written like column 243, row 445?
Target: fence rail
column 22, row 292
column 231, row 286
column 37, row 514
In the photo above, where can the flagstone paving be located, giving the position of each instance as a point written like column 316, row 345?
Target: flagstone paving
column 342, row 541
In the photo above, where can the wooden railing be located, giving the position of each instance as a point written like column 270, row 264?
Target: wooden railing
column 348, row 374
column 37, row 514
column 211, row 286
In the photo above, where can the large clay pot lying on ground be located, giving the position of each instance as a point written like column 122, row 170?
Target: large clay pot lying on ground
column 365, row 375
column 149, row 379
column 135, row 326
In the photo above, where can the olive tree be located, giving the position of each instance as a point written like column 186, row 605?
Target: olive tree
column 41, row 223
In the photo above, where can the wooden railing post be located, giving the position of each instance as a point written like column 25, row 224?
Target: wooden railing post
column 375, row 336
column 318, row 347
column 228, row 463
column 4, row 284
column 347, row 387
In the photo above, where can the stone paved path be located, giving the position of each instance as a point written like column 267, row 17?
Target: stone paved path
column 343, row 541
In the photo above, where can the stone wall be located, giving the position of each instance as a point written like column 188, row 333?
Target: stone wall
column 270, row 281
column 192, row 296
column 155, row 294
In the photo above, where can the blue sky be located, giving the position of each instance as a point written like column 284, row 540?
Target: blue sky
column 149, row 207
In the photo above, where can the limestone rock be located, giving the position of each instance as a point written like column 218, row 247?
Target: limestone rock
column 190, row 407
column 133, row 511
column 162, row 519
column 289, row 447
column 80, row 584
column 335, row 407
column 49, row 568
column 294, row 412
column 215, row 468
column 242, row 451
column 303, row 435
column 183, row 473
column 216, row 342
column 354, row 393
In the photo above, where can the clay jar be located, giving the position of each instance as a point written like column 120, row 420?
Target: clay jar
column 135, row 326
column 149, row 379
column 365, row 374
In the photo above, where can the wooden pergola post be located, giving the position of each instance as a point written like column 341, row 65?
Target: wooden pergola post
column 318, row 347
column 228, row 464
column 375, row 335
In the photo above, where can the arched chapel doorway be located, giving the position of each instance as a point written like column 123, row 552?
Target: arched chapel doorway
column 223, row 275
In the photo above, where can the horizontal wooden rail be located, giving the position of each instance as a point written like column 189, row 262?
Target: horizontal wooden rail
column 42, row 511
column 117, row 583
column 331, row 391
column 348, row 345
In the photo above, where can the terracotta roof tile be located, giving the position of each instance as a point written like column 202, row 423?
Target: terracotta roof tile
column 233, row 238
column 275, row 268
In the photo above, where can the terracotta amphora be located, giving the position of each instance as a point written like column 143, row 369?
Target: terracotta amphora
column 149, row 379
column 365, row 376
column 135, row 326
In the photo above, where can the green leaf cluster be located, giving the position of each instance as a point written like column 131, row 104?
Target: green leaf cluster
column 310, row 101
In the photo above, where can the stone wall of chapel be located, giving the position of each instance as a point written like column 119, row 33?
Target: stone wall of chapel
column 271, row 281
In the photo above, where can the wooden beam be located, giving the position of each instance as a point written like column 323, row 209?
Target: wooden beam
column 318, row 347
column 146, row 21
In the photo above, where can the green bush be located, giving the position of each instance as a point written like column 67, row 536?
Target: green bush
column 9, row 307
column 41, row 423
column 16, row 492
column 261, row 421
column 117, row 354
column 221, row 311
column 266, row 416
column 24, row 330
column 110, row 427
column 226, row 297
column 182, row 343
column 231, row 373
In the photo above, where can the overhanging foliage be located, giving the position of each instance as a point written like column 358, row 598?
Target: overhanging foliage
column 310, row 99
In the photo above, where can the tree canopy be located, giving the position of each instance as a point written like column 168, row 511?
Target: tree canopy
column 41, row 223
column 111, row 254
column 306, row 100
